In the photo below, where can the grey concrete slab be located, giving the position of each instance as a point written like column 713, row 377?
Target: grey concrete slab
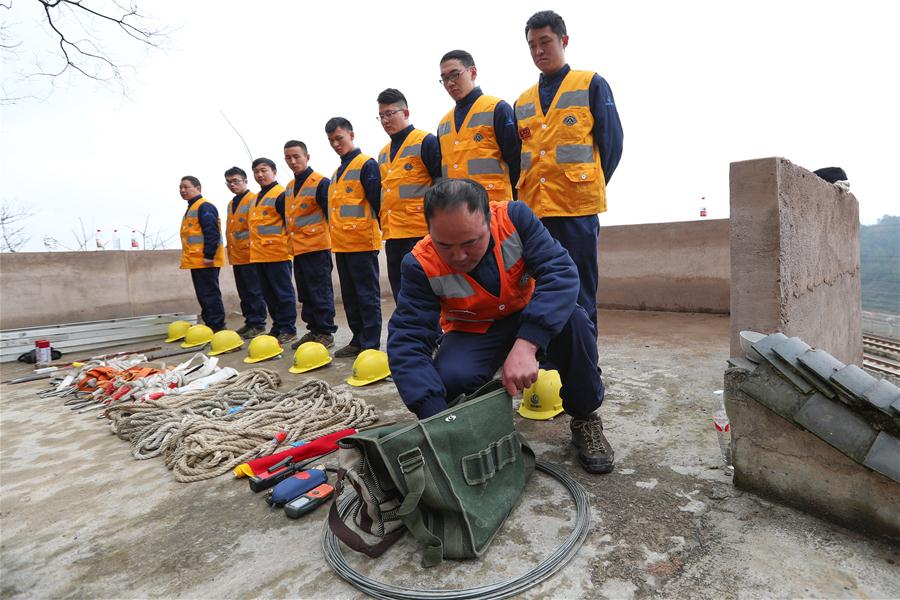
column 853, row 381
column 819, row 367
column 838, row 425
column 765, row 348
column 884, row 456
column 882, row 395
column 666, row 523
column 770, row 390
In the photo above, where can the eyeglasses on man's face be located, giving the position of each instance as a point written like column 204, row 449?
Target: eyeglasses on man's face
column 451, row 77
column 386, row 115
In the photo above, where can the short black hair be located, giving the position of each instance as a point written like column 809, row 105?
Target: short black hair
column 265, row 161
column 194, row 181
column 461, row 55
column 546, row 18
column 236, row 171
column 337, row 122
column 392, row 96
column 448, row 193
column 295, row 144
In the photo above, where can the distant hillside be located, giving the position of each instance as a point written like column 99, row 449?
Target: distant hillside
column 879, row 247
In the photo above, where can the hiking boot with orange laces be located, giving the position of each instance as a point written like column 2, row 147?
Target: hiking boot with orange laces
column 594, row 452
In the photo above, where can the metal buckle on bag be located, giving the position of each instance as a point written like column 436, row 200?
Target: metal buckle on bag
column 410, row 460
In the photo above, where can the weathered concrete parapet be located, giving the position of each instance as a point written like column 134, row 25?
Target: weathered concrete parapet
column 794, row 257
column 816, row 434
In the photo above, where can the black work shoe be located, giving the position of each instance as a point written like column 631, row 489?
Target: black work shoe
column 286, row 338
column 242, row 330
column 348, row 351
column 251, row 332
column 326, row 339
column 594, row 452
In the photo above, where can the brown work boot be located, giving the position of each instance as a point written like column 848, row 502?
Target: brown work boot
column 326, row 339
column 594, row 452
column 286, row 337
column 348, row 351
column 251, row 332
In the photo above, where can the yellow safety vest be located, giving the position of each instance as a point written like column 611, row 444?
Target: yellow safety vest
column 269, row 241
column 238, row 230
column 473, row 152
column 353, row 226
column 404, row 181
column 192, row 240
column 306, row 221
column 561, row 173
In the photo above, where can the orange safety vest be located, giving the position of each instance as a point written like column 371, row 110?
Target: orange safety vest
column 238, row 230
column 465, row 305
column 353, row 226
column 192, row 240
column 306, row 221
column 561, row 173
column 473, row 152
column 404, row 181
column 269, row 240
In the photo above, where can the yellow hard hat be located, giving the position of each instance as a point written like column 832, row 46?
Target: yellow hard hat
column 263, row 347
column 197, row 335
column 541, row 401
column 370, row 366
column 309, row 356
column 176, row 331
column 224, row 341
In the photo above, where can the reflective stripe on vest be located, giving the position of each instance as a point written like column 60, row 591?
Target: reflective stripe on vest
column 413, row 191
column 308, row 220
column 242, row 235
column 484, row 166
column 270, row 229
column 195, row 239
column 450, row 286
column 353, row 211
column 480, row 119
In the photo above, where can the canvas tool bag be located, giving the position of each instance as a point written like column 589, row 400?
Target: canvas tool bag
column 451, row 480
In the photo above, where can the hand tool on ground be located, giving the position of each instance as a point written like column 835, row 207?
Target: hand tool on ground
column 280, row 471
column 106, row 356
column 296, row 485
column 309, row 501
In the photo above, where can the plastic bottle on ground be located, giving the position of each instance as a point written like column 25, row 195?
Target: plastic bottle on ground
column 723, row 427
column 134, row 240
column 116, row 241
column 702, row 207
column 98, row 238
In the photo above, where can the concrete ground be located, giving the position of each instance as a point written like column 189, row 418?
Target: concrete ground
column 80, row 518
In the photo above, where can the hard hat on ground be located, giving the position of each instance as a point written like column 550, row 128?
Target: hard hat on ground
column 197, row 335
column 263, row 347
column 309, row 356
column 370, row 366
column 541, row 401
column 224, row 341
column 176, row 330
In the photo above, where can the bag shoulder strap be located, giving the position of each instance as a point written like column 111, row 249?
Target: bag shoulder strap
column 350, row 537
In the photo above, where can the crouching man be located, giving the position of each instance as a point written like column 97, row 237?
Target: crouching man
column 505, row 292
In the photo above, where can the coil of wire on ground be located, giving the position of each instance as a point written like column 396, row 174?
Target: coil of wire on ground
column 503, row 589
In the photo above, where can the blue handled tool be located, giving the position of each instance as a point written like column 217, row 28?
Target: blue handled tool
column 296, row 485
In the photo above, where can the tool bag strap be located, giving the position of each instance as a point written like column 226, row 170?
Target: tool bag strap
column 412, row 466
column 481, row 466
column 350, row 537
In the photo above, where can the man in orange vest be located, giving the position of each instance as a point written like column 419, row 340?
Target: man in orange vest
column 305, row 205
column 478, row 137
column 504, row 292
column 270, row 251
column 571, row 144
column 237, row 232
column 202, row 251
column 354, row 199
column 409, row 164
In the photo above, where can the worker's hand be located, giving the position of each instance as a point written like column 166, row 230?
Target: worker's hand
column 209, row 262
column 520, row 369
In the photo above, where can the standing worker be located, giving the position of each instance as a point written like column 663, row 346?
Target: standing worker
column 478, row 137
column 202, row 251
column 354, row 198
column 237, row 232
column 270, row 251
column 305, row 205
column 504, row 292
column 409, row 164
column 571, row 145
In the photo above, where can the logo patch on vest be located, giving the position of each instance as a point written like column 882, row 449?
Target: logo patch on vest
column 570, row 120
column 349, row 189
column 525, row 133
column 408, row 166
column 478, row 137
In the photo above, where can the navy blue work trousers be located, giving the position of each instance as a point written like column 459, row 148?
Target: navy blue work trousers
column 206, row 286
column 361, row 295
column 466, row 361
column 312, row 272
column 278, row 292
column 253, row 305
column 579, row 236
column 394, row 251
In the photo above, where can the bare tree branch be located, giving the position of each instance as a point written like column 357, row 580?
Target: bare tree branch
column 12, row 232
column 153, row 240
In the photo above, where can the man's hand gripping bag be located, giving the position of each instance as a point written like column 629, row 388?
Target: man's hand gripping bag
column 451, row 480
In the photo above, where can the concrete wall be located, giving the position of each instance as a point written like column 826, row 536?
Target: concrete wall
column 794, row 257
column 662, row 266
column 666, row 266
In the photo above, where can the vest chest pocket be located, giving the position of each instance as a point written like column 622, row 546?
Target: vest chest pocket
column 311, row 230
column 574, row 122
column 585, row 175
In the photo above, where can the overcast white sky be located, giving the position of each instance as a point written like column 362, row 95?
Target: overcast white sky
column 698, row 85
